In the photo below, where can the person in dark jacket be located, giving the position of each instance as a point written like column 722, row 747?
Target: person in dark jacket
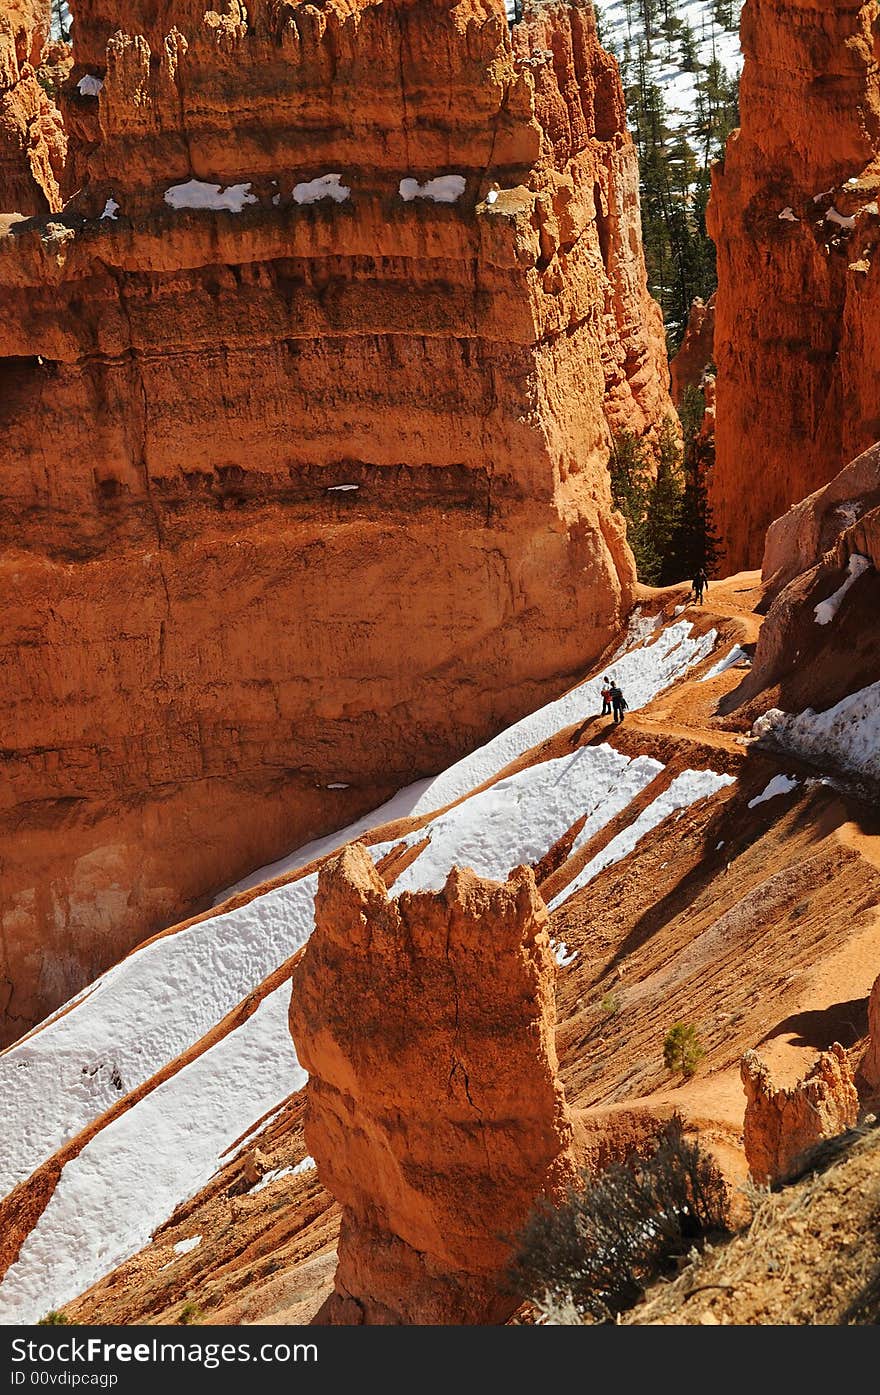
column 699, row 584
column 618, row 702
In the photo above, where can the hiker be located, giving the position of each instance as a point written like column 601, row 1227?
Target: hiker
column 606, row 697
column 698, row 585
column 618, row 702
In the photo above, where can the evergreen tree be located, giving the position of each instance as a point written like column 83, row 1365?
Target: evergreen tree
column 662, row 492
column 695, row 543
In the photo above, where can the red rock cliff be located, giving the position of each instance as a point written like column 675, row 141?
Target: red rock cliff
column 794, row 217
column 306, row 487
column 434, row 1111
column 32, row 139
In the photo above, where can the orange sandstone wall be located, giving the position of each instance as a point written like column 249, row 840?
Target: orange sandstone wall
column 206, row 633
column 794, row 215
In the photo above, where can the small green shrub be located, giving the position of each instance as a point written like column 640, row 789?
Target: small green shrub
column 610, row 1005
column 682, row 1049
column 54, row 1318
column 620, row 1230
column 190, row 1315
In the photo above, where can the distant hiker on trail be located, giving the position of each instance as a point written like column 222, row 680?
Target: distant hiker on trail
column 699, row 584
column 606, row 696
column 618, row 702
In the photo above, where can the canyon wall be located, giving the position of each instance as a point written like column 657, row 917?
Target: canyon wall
column 33, row 142
column 306, row 402
column 794, row 216
column 433, row 1109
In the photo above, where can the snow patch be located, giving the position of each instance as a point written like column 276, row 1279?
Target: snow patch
column 341, row 488
column 101, row 1212
column 337, row 786
column 183, row 1247
column 518, row 820
column 195, row 193
column 846, row 736
column 308, row 1164
column 89, row 86
column 326, row 186
column 788, row 215
column 445, row 188
column 780, row 784
column 736, row 656
column 686, row 789
column 826, row 611
column 561, row 953
column 111, row 208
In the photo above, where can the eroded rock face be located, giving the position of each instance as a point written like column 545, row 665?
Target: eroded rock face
column 794, row 216
column 33, row 143
column 801, row 537
column 307, row 487
column 689, row 366
column 434, row 1110
column 782, row 1125
column 809, row 554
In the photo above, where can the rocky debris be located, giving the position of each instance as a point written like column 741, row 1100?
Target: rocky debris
column 33, row 143
column 794, row 217
column 205, row 362
column 693, row 363
column 434, row 1111
column 781, row 1125
column 868, row 1074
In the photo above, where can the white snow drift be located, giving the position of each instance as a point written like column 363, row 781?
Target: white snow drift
column 445, row 188
column 780, row 784
column 847, row 736
column 195, row 193
column 326, row 186
column 111, row 1198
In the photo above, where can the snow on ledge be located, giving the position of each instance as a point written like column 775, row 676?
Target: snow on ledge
column 89, row 86
column 826, row 610
column 111, row 208
column 446, row 188
column 846, row 736
column 341, row 488
column 326, row 186
column 308, row 1164
column 736, row 656
column 788, row 215
column 195, row 193
column 780, row 784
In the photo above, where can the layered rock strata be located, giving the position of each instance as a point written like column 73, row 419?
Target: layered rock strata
column 434, row 1111
column 305, row 415
column 33, row 143
column 781, row 1125
column 794, row 215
